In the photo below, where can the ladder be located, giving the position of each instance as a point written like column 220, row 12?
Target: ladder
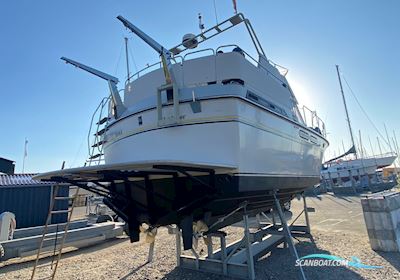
column 213, row 31
column 57, row 239
column 96, row 140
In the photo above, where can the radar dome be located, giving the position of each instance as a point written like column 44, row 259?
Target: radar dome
column 189, row 41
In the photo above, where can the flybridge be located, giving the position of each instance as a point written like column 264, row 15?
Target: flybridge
column 189, row 41
column 171, row 85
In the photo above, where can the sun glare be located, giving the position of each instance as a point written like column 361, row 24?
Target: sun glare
column 302, row 93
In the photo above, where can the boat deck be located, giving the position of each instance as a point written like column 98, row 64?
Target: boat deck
column 97, row 172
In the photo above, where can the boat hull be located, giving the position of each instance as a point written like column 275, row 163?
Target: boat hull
column 268, row 153
column 253, row 140
column 168, row 199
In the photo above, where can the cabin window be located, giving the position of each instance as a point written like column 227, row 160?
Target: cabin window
column 313, row 140
column 265, row 103
column 111, row 108
column 233, row 81
column 303, row 135
column 140, row 120
column 252, row 96
column 170, row 95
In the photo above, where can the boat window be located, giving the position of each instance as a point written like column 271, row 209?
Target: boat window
column 170, row 95
column 252, row 96
column 303, row 135
column 111, row 108
column 233, row 81
column 313, row 140
column 265, row 103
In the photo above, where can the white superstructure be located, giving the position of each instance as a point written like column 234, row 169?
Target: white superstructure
column 213, row 107
column 234, row 127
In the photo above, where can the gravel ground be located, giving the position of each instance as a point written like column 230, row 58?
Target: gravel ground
column 119, row 259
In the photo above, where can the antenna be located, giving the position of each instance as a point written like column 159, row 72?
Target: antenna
column 379, row 145
column 397, row 147
column 234, row 6
column 162, row 51
column 387, row 136
column 201, row 24
column 361, row 146
column 372, row 148
column 215, row 12
column 25, row 155
column 372, row 151
column 344, row 149
column 127, row 59
column 345, row 108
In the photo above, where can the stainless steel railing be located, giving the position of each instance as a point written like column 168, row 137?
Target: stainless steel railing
column 312, row 120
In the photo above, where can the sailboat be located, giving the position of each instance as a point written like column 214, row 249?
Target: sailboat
column 199, row 135
column 340, row 170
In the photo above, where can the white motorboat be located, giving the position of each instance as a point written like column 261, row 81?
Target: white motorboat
column 199, row 134
column 345, row 169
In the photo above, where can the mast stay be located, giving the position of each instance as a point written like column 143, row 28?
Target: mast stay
column 347, row 112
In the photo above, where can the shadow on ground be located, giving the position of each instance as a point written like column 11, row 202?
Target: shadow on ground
column 18, row 263
column 392, row 257
column 279, row 264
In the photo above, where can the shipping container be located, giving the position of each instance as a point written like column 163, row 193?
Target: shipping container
column 30, row 200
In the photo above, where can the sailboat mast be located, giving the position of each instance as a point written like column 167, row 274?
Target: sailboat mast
column 345, row 108
column 127, row 59
column 379, row 145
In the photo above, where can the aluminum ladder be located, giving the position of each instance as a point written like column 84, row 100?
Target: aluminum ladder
column 57, row 238
column 95, row 141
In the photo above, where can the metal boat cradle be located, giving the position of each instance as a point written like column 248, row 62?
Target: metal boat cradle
column 180, row 196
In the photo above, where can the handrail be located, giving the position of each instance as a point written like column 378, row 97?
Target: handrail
column 137, row 74
column 258, row 64
column 149, row 66
column 225, row 46
column 142, row 70
column 99, row 110
column 203, row 50
column 178, row 56
column 314, row 121
column 278, row 66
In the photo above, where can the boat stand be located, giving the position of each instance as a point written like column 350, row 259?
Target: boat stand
column 237, row 258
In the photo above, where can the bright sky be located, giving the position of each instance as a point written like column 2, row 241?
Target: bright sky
column 51, row 103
